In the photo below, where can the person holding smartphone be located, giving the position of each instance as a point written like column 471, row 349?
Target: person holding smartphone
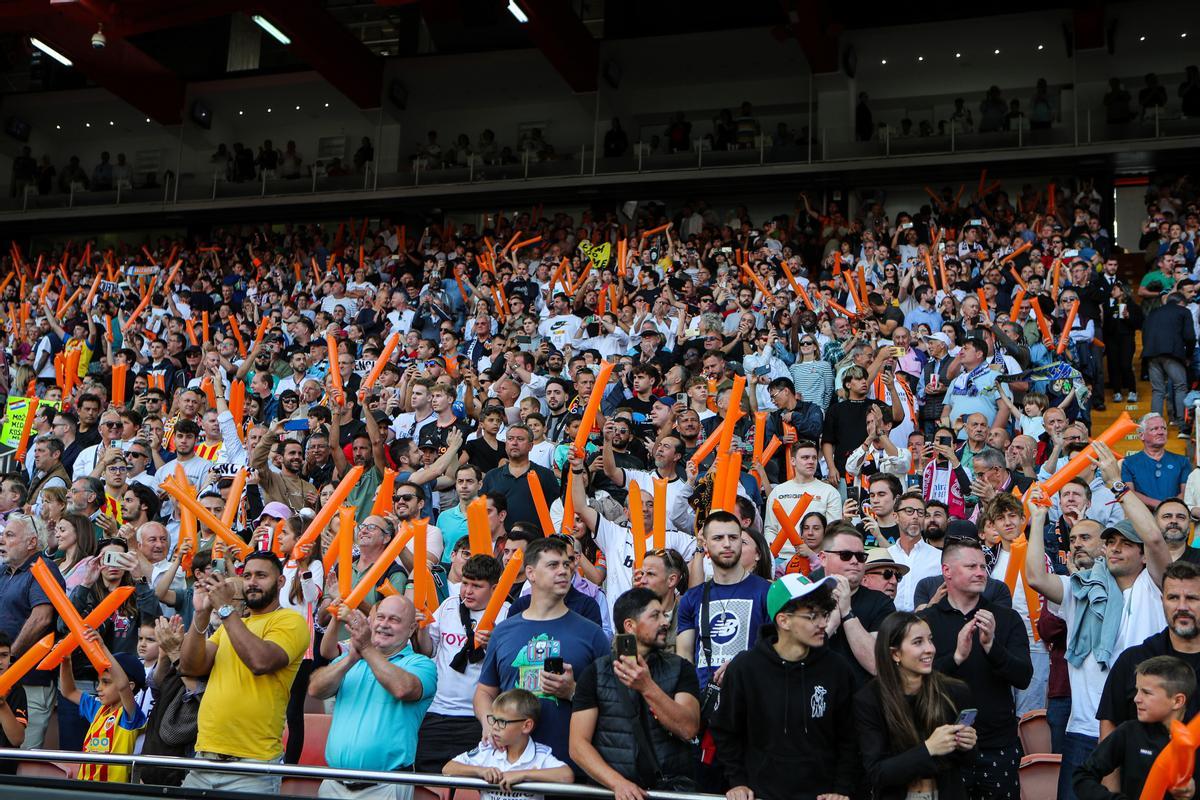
column 914, row 724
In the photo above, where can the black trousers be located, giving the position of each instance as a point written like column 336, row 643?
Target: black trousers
column 295, row 713
column 1119, row 353
column 443, row 737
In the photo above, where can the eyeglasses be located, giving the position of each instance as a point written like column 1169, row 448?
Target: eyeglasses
column 887, row 574
column 111, row 424
column 371, row 526
column 501, row 723
column 808, row 344
column 408, row 498
column 847, row 555
column 117, row 468
column 136, row 454
column 812, row 617
column 920, row 512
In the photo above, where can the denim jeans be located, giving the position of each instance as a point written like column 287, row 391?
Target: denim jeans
column 1058, row 711
column 1168, row 380
column 1033, row 696
column 1076, row 749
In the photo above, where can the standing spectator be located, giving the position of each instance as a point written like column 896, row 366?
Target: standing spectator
column 545, row 635
column 1153, row 97
column 919, row 558
column 1116, row 103
column 1041, row 112
column 458, row 649
column 510, row 479
column 250, row 664
column 985, row 646
column 1122, row 319
column 1180, row 638
column 860, row 611
column 864, row 120
column 102, row 174
column 1189, row 92
column 636, row 717
column 809, row 725
column 1168, row 339
column 290, row 161
column 748, row 128
column 380, row 685
column 992, row 111
column 616, row 142
column 24, row 172
column 1135, row 557
column 26, row 614
column 1154, row 474
column 365, row 154
column 907, row 717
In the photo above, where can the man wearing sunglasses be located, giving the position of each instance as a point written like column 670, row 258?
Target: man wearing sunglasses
column 90, row 460
column 882, row 574
column 860, row 610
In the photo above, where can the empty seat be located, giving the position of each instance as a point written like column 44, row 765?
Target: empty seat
column 316, row 731
column 1034, row 732
column 1039, row 776
column 299, row 787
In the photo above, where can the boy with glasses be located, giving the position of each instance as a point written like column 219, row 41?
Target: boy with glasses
column 508, row 755
column 785, row 725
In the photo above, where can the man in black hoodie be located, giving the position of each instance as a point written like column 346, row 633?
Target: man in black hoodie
column 784, row 729
column 985, row 646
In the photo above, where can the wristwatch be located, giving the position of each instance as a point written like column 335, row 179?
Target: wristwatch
column 1117, row 487
column 849, row 615
column 224, row 611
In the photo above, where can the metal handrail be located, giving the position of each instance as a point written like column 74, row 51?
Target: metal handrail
column 298, row 771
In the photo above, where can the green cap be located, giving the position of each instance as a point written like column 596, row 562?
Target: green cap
column 793, row 587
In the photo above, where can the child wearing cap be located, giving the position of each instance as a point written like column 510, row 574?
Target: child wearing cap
column 114, row 718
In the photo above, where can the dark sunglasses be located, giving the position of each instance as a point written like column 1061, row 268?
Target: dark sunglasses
column 111, row 424
column 888, row 574
column 846, row 555
column 408, row 498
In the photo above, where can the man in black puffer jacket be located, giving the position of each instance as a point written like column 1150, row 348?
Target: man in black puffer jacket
column 1168, row 339
column 784, row 728
column 635, row 718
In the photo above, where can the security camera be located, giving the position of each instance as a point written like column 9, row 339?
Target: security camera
column 99, row 40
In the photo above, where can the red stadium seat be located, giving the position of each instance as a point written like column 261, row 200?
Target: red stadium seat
column 1039, row 776
column 316, row 731
column 426, row 793
column 1034, row 731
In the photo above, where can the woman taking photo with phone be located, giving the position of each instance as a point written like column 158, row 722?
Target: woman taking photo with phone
column 914, row 724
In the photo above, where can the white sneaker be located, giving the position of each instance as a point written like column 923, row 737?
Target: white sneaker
column 1116, row 397
column 1132, row 397
column 1181, row 435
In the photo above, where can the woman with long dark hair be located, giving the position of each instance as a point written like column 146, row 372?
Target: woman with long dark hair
column 912, row 746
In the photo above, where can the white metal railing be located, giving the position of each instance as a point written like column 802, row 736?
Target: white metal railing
column 322, row 773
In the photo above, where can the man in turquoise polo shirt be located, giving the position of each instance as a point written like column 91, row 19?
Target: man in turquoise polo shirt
column 382, row 684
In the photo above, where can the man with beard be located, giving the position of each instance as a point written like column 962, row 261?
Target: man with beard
column 381, row 684
column 921, row 559
column 1180, row 638
column 667, row 454
column 626, row 705
column 558, row 392
column 1175, row 522
column 511, row 481
column 249, row 665
column 1135, row 558
column 286, row 486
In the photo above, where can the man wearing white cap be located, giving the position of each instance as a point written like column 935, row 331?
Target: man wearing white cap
column 935, row 377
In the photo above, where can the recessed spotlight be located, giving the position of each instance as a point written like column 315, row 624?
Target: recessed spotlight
column 241, row 113
column 327, row 105
column 111, row 123
column 996, row 51
column 268, row 111
column 147, row 119
column 920, row 58
column 884, row 61
column 1041, row 47
column 58, row 127
column 1141, row 38
column 87, row 124
column 958, row 55
column 1183, row 35
column 297, row 108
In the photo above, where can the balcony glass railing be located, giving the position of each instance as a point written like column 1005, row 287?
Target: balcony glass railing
column 828, row 144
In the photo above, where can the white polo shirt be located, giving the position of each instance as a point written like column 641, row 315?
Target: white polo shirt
column 924, row 560
column 535, row 756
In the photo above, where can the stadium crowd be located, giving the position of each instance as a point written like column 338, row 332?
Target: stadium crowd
column 809, row 507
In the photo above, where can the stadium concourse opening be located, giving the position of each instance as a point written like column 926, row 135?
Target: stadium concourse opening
column 816, row 419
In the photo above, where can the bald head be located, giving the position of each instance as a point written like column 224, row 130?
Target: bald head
column 393, row 624
column 152, row 541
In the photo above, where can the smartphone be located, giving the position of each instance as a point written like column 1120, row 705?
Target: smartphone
column 625, row 644
column 554, row 665
column 967, row 717
column 112, row 558
column 295, row 425
column 760, row 371
column 524, row 340
column 906, row 226
column 976, row 222
column 681, row 398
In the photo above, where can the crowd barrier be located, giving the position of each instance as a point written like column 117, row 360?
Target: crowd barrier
column 311, row 776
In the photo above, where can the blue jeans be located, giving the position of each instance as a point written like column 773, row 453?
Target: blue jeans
column 1058, row 711
column 1033, row 696
column 1076, row 749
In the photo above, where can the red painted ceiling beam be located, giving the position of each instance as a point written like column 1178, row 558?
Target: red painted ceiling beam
column 565, row 42
column 120, row 67
column 328, row 47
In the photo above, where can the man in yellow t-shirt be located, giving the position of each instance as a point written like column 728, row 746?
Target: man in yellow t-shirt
column 250, row 664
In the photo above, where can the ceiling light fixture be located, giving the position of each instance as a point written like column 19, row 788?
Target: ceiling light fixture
column 297, row 108
column 147, row 119
column 50, row 51
column 111, row 123
column 958, row 55
column 884, row 61
column 87, row 124
column 996, row 51
column 268, row 111
column 1141, row 38
column 58, row 127
column 241, row 113
column 1041, row 47
column 920, row 58
column 267, row 26
column 517, row 12
column 1183, row 35
column 327, row 105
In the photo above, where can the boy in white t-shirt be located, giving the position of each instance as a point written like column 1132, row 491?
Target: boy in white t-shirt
column 508, row 755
